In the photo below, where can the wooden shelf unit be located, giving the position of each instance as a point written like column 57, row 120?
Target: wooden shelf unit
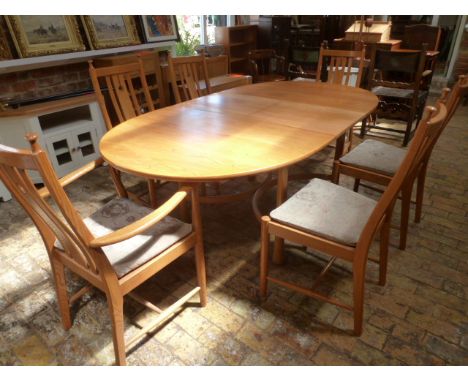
column 237, row 41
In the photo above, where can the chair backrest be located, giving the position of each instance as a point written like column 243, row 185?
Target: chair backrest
column 417, row 35
column 428, row 129
column 74, row 237
column 261, row 62
column 397, row 69
column 337, row 66
column 127, row 89
column 188, row 76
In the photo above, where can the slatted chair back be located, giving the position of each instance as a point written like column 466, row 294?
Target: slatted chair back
column 429, row 127
column 74, row 236
column 127, row 90
column 337, row 66
column 397, row 69
column 187, row 74
column 417, row 35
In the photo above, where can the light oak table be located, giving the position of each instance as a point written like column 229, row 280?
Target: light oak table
column 238, row 132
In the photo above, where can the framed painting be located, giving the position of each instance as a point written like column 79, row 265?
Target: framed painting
column 43, row 35
column 5, row 51
column 110, row 31
column 160, row 28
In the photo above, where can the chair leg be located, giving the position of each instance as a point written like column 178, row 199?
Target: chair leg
column 358, row 292
column 58, row 271
column 357, row 183
column 363, row 128
column 405, row 210
column 264, row 251
column 335, row 178
column 420, row 192
column 115, row 303
column 409, row 125
column 384, row 242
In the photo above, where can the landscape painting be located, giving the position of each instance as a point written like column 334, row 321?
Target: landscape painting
column 107, row 31
column 41, row 35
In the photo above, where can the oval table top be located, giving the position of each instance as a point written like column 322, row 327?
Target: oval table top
column 242, row 131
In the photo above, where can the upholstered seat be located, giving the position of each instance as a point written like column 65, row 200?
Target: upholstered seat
column 304, row 79
column 131, row 253
column 383, row 91
column 327, row 210
column 375, row 155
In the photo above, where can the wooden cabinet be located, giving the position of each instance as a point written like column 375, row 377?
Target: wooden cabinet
column 237, row 42
column 68, row 129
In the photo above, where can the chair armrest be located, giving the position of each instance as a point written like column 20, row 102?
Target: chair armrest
column 142, row 224
column 74, row 175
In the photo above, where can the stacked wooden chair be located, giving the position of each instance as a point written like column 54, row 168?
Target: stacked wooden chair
column 342, row 223
column 116, row 249
column 377, row 162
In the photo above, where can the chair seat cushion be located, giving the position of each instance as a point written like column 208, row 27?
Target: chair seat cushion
column 327, row 210
column 383, row 91
column 375, row 155
column 304, row 79
column 131, row 253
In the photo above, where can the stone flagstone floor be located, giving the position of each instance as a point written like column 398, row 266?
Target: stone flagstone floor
column 418, row 318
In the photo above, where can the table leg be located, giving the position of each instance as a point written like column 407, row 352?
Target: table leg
column 281, row 194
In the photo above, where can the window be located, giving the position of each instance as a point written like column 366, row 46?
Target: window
column 198, row 29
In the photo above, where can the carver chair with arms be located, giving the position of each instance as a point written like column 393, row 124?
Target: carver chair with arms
column 122, row 92
column 266, row 66
column 115, row 249
column 342, row 223
column 377, row 162
column 397, row 78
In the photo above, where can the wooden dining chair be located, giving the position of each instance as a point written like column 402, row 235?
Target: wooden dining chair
column 122, row 92
column 342, row 223
column 188, row 76
column 116, row 249
column 378, row 162
column 341, row 67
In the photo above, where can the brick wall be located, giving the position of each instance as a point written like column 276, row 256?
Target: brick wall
column 44, row 82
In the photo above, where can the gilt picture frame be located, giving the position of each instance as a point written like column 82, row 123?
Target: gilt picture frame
column 107, row 31
column 160, row 28
column 43, row 35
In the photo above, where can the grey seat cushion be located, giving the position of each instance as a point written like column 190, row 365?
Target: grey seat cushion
column 131, row 253
column 396, row 93
column 327, row 210
column 304, row 79
column 375, row 155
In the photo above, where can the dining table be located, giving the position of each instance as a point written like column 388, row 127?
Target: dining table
column 244, row 131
